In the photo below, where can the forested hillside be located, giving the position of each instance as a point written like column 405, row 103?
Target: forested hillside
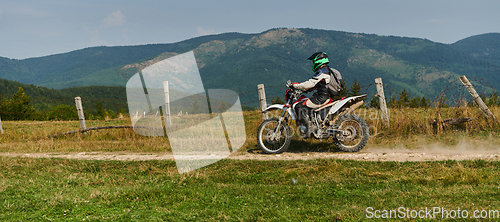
column 90, row 66
column 44, row 99
column 485, row 47
column 20, row 101
column 241, row 61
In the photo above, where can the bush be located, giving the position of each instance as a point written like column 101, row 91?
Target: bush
column 63, row 112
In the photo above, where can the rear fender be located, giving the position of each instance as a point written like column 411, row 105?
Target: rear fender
column 342, row 103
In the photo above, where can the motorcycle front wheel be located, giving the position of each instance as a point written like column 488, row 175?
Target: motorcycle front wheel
column 273, row 138
column 356, row 133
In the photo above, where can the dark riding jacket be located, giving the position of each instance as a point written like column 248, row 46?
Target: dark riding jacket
column 319, row 82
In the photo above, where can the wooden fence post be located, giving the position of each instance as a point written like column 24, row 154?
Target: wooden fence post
column 1, row 129
column 146, row 92
column 81, row 117
column 262, row 98
column 167, row 103
column 381, row 99
column 487, row 113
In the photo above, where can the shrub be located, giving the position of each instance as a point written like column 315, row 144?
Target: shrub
column 63, row 112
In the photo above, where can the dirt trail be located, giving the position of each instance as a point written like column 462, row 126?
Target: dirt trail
column 368, row 154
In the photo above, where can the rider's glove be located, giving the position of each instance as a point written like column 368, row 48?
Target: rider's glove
column 290, row 84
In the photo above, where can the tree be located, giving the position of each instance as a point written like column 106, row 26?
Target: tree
column 343, row 92
column 393, row 102
column 415, row 102
column 375, row 103
column 404, row 99
column 100, row 112
column 424, row 103
column 277, row 100
column 18, row 107
column 355, row 89
column 3, row 106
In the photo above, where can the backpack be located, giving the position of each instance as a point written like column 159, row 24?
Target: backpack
column 335, row 85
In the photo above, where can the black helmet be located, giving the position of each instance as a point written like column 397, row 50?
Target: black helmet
column 318, row 59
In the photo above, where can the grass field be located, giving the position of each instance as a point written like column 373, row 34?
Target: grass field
column 324, row 190
column 244, row 190
column 409, row 128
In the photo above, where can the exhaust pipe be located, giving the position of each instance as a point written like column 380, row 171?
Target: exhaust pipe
column 355, row 106
column 348, row 110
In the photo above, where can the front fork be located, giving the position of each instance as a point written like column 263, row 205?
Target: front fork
column 283, row 117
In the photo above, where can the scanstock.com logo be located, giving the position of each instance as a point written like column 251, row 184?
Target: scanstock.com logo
column 203, row 126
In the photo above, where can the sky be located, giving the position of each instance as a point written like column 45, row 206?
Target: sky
column 30, row 28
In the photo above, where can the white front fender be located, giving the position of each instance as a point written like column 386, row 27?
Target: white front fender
column 274, row 106
column 280, row 106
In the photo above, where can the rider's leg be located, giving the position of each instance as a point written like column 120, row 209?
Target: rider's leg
column 302, row 112
column 304, row 109
column 311, row 127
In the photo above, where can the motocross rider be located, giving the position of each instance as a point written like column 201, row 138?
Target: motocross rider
column 319, row 82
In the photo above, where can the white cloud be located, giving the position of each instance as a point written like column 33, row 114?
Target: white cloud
column 114, row 19
column 201, row 31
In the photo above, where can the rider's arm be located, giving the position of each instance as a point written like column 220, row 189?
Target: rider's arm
column 311, row 83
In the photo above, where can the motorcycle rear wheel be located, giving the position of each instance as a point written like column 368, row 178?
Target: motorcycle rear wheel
column 274, row 139
column 357, row 133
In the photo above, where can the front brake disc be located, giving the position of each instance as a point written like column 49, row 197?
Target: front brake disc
column 269, row 136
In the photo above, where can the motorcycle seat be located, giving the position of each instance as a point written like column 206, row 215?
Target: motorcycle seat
column 330, row 103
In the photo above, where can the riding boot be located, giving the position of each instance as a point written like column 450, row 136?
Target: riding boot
column 302, row 123
column 311, row 128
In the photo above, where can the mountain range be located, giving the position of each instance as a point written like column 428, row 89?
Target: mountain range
column 240, row 62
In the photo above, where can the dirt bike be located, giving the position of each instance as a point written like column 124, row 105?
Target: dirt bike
column 334, row 119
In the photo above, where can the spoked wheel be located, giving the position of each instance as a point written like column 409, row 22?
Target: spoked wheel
column 272, row 138
column 355, row 133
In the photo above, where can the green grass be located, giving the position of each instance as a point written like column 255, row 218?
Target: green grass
column 242, row 190
column 231, row 190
